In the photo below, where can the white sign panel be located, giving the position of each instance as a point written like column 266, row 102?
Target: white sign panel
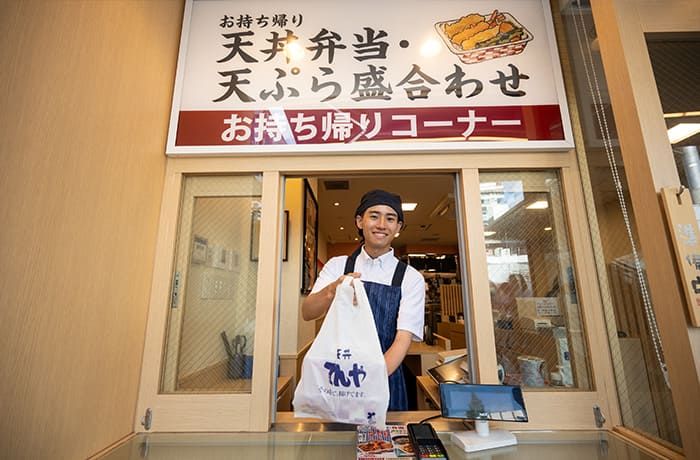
column 547, row 306
column 367, row 75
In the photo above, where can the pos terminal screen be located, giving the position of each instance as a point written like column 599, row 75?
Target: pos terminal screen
column 482, row 402
column 423, row 432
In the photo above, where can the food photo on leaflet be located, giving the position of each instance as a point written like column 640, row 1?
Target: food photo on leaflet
column 403, row 443
column 395, row 290
column 392, row 442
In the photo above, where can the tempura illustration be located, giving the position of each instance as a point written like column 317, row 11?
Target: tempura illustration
column 476, row 37
column 477, row 31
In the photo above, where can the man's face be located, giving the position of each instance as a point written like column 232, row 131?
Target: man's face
column 379, row 224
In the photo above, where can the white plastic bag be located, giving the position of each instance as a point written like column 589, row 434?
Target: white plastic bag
column 343, row 376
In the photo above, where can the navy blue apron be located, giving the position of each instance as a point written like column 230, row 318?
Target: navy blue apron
column 384, row 301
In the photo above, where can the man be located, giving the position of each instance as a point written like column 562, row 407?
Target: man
column 395, row 290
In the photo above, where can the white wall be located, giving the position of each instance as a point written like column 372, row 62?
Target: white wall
column 295, row 333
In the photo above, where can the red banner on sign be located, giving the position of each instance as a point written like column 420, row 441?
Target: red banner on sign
column 298, row 126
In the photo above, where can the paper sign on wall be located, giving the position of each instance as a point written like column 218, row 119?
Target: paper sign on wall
column 685, row 234
column 547, row 306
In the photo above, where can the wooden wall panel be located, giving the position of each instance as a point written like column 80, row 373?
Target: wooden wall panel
column 85, row 89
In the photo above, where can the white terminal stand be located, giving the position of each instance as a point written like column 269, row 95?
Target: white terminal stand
column 483, row 438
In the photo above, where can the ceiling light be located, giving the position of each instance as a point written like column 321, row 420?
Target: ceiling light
column 408, row 206
column 547, row 229
column 489, row 233
column 542, row 204
column 681, row 114
column 336, row 204
column 443, row 206
column 682, row 131
column 490, row 186
column 396, row 235
column 342, row 228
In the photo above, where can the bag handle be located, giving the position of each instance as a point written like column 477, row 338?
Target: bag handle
column 360, row 293
column 357, row 291
column 344, row 290
column 347, row 280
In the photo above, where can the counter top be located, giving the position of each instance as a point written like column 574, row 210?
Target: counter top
column 338, row 445
column 422, row 348
column 429, row 390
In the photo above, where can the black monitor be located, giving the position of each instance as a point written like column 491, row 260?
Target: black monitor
column 455, row 371
column 482, row 402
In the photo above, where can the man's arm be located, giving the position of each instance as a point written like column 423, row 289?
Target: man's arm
column 397, row 351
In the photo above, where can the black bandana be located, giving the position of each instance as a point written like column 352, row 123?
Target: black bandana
column 375, row 197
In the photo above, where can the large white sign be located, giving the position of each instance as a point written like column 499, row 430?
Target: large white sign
column 338, row 76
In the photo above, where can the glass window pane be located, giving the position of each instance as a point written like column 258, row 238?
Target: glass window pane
column 211, row 324
column 636, row 349
column 537, row 321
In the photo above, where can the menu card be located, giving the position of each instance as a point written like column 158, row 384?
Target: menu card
column 392, row 442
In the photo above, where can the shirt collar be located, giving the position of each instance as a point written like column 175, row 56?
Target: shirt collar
column 383, row 260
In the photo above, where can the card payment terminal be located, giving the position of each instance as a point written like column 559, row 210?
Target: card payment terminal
column 425, row 441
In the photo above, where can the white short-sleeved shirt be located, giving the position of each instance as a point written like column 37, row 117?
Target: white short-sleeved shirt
column 381, row 270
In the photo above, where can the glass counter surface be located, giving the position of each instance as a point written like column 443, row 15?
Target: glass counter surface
column 337, row 445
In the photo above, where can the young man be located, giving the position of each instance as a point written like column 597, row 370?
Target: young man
column 395, row 290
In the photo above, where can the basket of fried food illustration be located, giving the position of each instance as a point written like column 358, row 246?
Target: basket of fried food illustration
column 477, row 38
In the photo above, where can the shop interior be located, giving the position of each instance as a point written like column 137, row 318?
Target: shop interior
column 428, row 242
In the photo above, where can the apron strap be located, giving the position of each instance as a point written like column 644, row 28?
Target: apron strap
column 399, row 272
column 350, row 262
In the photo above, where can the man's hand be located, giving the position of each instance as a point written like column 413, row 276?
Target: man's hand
column 316, row 305
column 334, row 286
